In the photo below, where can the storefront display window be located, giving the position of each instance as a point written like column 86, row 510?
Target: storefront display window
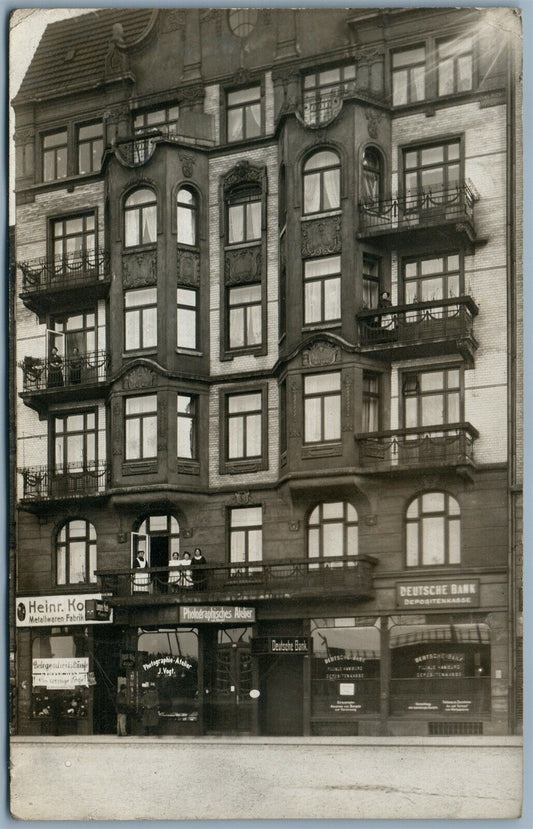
column 345, row 667
column 60, row 677
column 440, row 669
column 169, row 661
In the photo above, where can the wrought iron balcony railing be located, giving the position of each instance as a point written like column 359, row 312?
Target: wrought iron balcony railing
column 425, row 208
column 339, row 575
column 139, row 149
column 419, row 322
column 42, row 483
column 76, row 370
column 60, row 272
column 449, row 445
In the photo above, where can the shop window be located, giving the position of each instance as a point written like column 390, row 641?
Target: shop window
column 141, row 427
column 455, row 65
column 332, row 530
column 245, row 316
column 243, row 113
column 246, row 535
column 371, row 177
column 60, row 668
column 140, row 218
column 431, row 398
column 408, row 75
column 432, row 278
column 169, row 664
column 75, row 445
column 186, row 217
column 55, row 155
column 90, row 148
column 432, row 169
column 345, row 669
column 244, row 425
column 187, row 426
column 433, row 531
column 140, row 319
column 74, row 239
column 322, row 91
column 321, row 182
column 186, row 318
column 371, row 402
column 322, row 407
column 371, row 280
column 322, row 290
column 76, row 553
column 244, row 215
column 440, row 670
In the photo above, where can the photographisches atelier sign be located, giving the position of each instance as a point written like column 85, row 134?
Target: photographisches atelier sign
column 81, row 609
column 214, row 614
column 449, row 593
column 60, row 673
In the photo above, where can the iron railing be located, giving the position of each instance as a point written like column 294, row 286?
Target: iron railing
column 419, row 322
column 447, row 445
column 346, row 575
column 43, row 483
column 138, row 150
column 424, row 208
column 59, row 272
column 76, row 370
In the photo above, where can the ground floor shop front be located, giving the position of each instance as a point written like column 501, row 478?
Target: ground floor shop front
column 179, row 670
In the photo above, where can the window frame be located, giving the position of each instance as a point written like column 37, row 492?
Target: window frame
column 91, row 545
column 323, row 522
column 409, row 67
column 368, row 396
column 322, row 279
column 141, row 417
column 447, row 517
column 250, row 463
column 138, row 312
column 227, row 107
column 67, row 466
column 194, row 210
column 456, row 37
column 369, row 278
column 139, row 209
column 87, row 253
column 246, row 529
column 418, row 148
column 242, row 197
column 413, row 375
column 420, row 277
column 167, row 121
column 54, row 149
column 246, row 347
column 181, row 306
column 89, row 141
column 322, row 396
column 306, row 174
column 193, row 419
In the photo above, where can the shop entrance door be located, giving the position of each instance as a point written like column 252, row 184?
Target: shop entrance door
column 228, row 705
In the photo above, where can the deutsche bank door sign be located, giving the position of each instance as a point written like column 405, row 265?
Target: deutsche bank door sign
column 297, row 645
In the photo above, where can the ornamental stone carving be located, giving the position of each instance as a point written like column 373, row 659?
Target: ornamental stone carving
column 172, row 19
column 139, row 377
column 187, row 164
column 321, row 237
column 373, row 118
column 242, row 265
column 24, row 135
column 191, row 94
column 294, row 431
column 242, row 498
column 139, row 269
column 243, row 172
column 188, row 267
column 116, row 59
column 321, row 353
column 347, row 390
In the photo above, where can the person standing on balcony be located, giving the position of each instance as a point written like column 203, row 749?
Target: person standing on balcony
column 186, row 574
column 55, row 368
column 141, row 581
column 75, row 366
column 174, row 574
column 199, row 577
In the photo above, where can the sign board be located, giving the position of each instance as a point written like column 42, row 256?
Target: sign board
column 39, row 611
column 60, row 673
column 449, row 593
column 212, row 615
column 279, row 645
column 97, row 611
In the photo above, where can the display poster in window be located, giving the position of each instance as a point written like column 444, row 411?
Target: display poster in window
column 60, row 673
column 348, row 685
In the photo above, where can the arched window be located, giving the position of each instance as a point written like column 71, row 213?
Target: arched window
column 371, row 176
column 187, row 214
column 433, row 530
column 76, row 553
column 322, row 177
column 140, row 218
column 158, row 536
column 332, row 531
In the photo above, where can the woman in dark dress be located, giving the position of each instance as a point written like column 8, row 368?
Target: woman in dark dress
column 199, row 577
column 55, row 368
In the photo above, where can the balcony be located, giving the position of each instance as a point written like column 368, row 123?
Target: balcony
column 42, row 485
column 448, row 212
column 449, row 446
column 441, row 326
column 134, row 152
column 80, row 377
column 50, row 282
column 341, row 576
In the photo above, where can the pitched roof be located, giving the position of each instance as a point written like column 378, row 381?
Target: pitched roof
column 72, row 52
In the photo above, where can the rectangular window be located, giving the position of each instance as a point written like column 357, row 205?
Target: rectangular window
column 371, row 280
column 431, row 398
column 246, row 534
column 140, row 416
column 244, row 113
column 323, row 89
column 140, row 319
column 186, row 302
column 74, row 238
column 322, row 407
column 322, row 287
column 74, row 442
column 432, row 169
column 245, row 422
column 408, row 76
column 371, row 402
column 55, row 156
column 244, row 219
column 90, row 148
column 156, row 119
column 433, row 277
column 455, row 65
column 245, row 329
column 187, row 427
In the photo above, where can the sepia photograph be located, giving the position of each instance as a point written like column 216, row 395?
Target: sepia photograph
column 265, row 413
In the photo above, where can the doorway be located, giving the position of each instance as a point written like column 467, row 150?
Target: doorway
column 281, row 695
column 229, row 709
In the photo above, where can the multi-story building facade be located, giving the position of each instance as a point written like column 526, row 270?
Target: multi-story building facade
column 267, row 307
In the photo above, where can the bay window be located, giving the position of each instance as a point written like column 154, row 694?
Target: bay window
column 140, row 419
column 322, row 289
column 322, row 407
column 140, row 319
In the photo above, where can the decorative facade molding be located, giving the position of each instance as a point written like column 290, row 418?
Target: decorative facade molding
column 24, row 135
column 294, row 431
column 191, row 94
column 242, row 173
column 373, row 118
column 321, row 237
column 139, row 377
column 187, row 164
column 242, row 265
column 347, row 395
column 162, row 421
column 172, row 19
column 188, row 271
column 242, row 498
column 117, row 428
column 294, row 526
column 139, row 269
column 116, row 59
column 321, row 353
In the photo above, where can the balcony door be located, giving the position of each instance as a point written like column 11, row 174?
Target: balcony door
column 228, row 681
column 74, row 337
column 75, row 454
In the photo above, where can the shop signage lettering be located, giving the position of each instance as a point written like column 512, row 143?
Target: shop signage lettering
column 281, row 645
column 38, row 611
column 166, row 665
column 456, row 593
column 60, row 673
column 216, row 615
